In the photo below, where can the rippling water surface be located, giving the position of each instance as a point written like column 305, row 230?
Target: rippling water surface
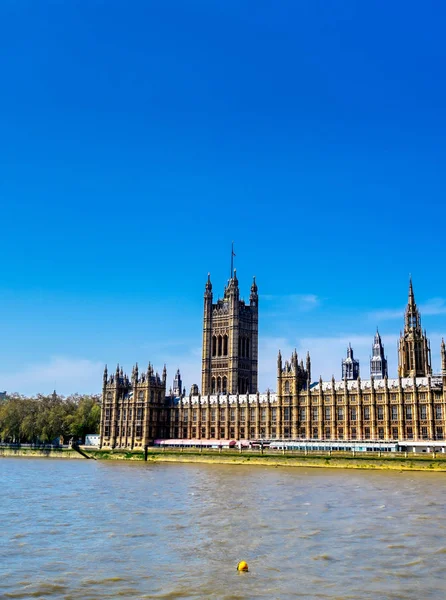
column 96, row 530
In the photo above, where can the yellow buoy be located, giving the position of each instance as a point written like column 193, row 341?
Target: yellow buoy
column 242, row 566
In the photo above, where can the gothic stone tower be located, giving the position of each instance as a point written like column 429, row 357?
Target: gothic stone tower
column 350, row 366
column 230, row 341
column 378, row 362
column 414, row 353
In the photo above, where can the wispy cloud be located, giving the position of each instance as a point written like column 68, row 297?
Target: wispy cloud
column 435, row 306
column 283, row 305
column 66, row 375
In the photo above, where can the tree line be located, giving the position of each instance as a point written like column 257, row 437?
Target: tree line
column 43, row 419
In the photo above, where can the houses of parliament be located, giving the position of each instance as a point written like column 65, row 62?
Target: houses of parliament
column 136, row 410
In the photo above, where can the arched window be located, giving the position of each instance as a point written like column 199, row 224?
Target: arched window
column 140, row 395
column 218, row 384
column 225, row 345
column 109, row 396
column 213, row 385
column 214, row 345
column 219, row 345
column 225, row 385
column 287, row 387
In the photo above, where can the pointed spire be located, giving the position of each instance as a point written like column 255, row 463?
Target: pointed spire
column 105, row 374
column 208, row 286
column 279, row 361
column 411, row 300
column 254, row 287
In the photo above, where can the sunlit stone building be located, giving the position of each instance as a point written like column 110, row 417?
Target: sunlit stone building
column 136, row 411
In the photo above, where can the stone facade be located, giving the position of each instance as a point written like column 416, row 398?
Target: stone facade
column 134, row 410
column 387, row 409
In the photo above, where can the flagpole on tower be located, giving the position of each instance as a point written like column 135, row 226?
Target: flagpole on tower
column 232, row 260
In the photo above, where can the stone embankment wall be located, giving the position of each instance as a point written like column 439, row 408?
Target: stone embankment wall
column 397, row 462
column 41, row 453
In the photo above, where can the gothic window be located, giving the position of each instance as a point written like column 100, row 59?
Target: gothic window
column 219, row 345
column 222, row 414
column 232, row 414
column 213, row 413
column 225, row 345
column 109, row 396
column 107, row 430
column 409, row 412
column 439, row 433
column 327, row 413
column 218, row 384
column 314, row 413
column 186, row 416
column 366, row 413
column 394, row 413
column 140, row 395
column 423, row 412
column 340, row 413
column 194, row 415
column 438, row 414
column 286, row 413
column 274, row 414
column 203, row 414
column 214, row 345
column 252, row 414
column 380, row 413
column 225, row 384
column 242, row 414
column 287, row 387
column 213, row 385
column 302, row 414
column 353, row 414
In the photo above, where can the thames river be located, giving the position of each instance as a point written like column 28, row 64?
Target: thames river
column 85, row 530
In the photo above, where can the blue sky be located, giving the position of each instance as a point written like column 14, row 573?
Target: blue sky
column 139, row 139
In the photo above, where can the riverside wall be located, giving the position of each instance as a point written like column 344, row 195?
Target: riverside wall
column 398, row 462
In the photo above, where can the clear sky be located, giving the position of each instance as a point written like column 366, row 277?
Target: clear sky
column 138, row 139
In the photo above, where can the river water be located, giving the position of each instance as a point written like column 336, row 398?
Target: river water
column 94, row 530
